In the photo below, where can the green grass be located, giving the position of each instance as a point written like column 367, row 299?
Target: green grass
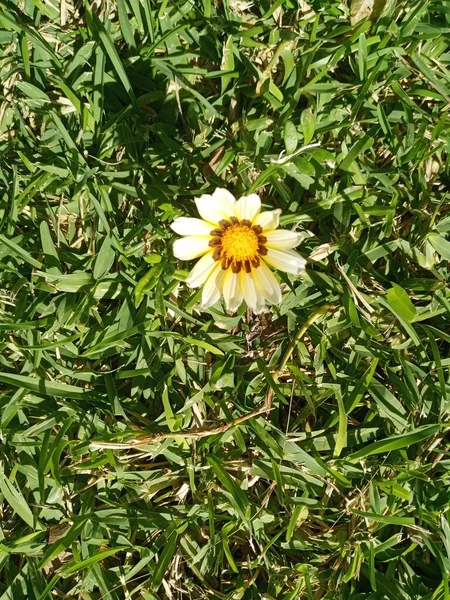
column 137, row 459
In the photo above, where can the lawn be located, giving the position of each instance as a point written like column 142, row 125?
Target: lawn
column 151, row 448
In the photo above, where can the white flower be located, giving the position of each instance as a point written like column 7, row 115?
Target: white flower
column 237, row 243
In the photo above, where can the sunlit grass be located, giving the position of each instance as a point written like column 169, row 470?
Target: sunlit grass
column 150, row 449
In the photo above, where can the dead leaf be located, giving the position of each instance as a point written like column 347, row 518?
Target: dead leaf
column 365, row 9
column 322, row 251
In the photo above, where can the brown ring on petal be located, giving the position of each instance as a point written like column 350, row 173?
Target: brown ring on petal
column 236, row 266
column 234, row 221
column 262, row 239
column 215, row 241
column 247, row 266
column 216, row 232
column 257, row 229
column 217, row 254
column 255, row 261
column 262, row 250
column 226, row 261
column 246, row 222
column 224, row 224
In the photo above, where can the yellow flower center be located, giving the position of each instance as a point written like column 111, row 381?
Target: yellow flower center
column 240, row 242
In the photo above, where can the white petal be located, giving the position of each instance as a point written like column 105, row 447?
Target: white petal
column 232, row 291
column 260, row 306
column 216, row 207
column 249, row 291
column 286, row 260
column 248, row 207
column 188, row 226
column 267, row 284
column 191, row 247
column 212, row 289
column 201, row 271
column 282, row 238
column 225, row 197
column 268, row 220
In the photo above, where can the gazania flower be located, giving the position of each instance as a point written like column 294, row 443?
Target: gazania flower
column 237, row 243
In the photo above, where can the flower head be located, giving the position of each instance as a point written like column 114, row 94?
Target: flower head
column 237, row 243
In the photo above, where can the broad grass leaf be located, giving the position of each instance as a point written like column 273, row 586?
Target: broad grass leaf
column 43, row 386
column 299, row 514
column 75, row 566
column 205, row 345
column 406, row 324
column 65, row 541
column 308, row 123
column 147, row 282
column 237, row 495
column 290, row 137
column 388, row 405
column 105, row 258
column 111, row 50
column 363, row 144
column 388, row 519
column 72, row 282
column 401, row 303
column 32, row 91
column 17, row 502
column 18, row 251
column 125, row 25
column 396, row 442
column 341, row 438
column 440, row 244
column 51, row 258
column 227, row 550
column 227, row 63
